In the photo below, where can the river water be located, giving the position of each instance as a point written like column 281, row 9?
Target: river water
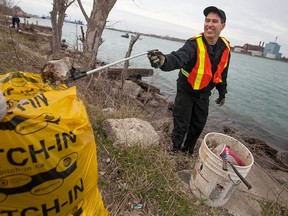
column 257, row 97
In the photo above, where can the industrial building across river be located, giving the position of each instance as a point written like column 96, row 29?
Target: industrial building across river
column 270, row 50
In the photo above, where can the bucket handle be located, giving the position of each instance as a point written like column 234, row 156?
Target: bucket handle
column 225, row 167
column 235, row 183
column 240, row 176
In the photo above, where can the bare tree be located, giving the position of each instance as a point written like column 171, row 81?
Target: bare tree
column 58, row 14
column 6, row 6
column 7, row 3
column 95, row 26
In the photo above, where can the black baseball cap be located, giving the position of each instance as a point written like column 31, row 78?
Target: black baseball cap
column 215, row 10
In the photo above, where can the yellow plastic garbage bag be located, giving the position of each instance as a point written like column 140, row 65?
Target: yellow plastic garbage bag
column 48, row 163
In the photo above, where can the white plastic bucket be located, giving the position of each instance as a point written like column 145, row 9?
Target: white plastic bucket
column 209, row 182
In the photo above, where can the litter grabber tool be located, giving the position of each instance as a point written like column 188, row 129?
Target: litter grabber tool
column 225, row 167
column 76, row 74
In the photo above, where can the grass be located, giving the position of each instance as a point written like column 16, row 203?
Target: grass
column 16, row 51
column 136, row 176
column 274, row 209
column 141, row 176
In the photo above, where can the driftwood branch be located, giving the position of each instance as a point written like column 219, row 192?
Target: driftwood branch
column 82, row 34
column 128, row 54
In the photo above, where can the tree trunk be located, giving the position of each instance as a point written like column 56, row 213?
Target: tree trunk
column 57, row 20
column 95, row 27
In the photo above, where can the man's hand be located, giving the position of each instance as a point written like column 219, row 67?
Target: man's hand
column 156, row 58
column 220, row 101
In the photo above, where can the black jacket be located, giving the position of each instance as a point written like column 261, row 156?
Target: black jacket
column 186, row 58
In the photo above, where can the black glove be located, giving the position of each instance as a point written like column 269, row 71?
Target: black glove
column 220, row 100
column 156, row 58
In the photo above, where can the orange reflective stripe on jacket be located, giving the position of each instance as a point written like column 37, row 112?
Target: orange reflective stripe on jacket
column 201, row 74
column 222, row 64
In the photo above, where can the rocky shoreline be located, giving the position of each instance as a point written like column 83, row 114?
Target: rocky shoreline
column 279, row 159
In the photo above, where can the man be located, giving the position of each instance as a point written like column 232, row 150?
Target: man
column 15, row 21
column 203, row 62
column 2, row 106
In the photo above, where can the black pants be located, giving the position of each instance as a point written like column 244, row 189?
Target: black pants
column 189, row 118
column 16, row 22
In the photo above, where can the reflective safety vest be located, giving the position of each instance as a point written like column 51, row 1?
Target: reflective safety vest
column 201, row 74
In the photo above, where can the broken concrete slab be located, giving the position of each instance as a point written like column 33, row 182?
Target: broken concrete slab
column 130, row 132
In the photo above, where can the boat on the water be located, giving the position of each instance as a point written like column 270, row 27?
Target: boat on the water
column 125, row 35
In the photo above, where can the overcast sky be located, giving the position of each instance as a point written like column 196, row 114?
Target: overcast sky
column 248, row 21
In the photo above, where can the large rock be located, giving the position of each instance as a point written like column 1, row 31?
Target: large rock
column 282, row 157
column 132, row 89
column 163, row 125
column 116, row 73
column 130, row 131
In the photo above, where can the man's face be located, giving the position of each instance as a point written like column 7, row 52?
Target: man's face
column 213, row 26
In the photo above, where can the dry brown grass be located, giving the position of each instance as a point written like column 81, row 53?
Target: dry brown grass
column 19, row 52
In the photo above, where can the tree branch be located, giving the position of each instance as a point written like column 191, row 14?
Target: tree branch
column 83, row 10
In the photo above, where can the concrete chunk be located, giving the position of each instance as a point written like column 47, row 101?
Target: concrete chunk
column 130, row 131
